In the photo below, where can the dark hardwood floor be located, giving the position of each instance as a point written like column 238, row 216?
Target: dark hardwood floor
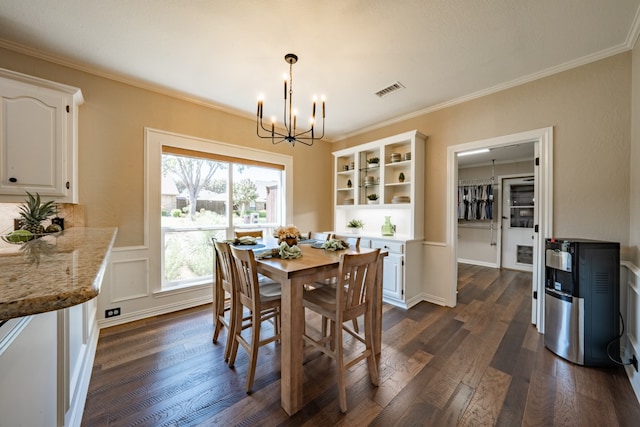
column 481, row 363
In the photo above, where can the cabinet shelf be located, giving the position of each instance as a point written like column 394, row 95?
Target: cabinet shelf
column 397, row 164
column 397, row 184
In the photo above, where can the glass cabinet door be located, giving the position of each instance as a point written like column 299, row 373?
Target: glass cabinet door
column 522, row 203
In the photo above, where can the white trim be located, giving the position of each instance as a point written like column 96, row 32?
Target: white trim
column 476, row 262
column 156, row 310
column 10, row 331
column 154, row 139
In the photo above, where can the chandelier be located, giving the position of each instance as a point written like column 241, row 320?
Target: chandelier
column 307, row 137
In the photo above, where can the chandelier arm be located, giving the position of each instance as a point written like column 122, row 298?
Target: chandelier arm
column 270, row 134
column 313, row 137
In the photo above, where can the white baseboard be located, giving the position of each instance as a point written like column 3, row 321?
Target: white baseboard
column 480, row 263
column 153, row 311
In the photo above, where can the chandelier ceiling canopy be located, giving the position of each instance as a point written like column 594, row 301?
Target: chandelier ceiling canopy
column 291, row 134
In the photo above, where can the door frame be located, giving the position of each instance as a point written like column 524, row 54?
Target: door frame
column 543, row 139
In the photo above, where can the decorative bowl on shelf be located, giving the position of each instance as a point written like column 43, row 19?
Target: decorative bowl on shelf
column 401, row 199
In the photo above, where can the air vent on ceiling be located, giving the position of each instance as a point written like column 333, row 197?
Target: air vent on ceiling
column 390, row 89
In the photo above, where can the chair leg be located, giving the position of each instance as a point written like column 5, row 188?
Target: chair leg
column 368, row 341
column 337, row 343
column 218, row 310
column 324, row 326
column 216, row 330
column 255, row 343
column 235, row 334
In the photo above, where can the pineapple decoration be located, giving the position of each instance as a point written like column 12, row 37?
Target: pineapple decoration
column 32, row 213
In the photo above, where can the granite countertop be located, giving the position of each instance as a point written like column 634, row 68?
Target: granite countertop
column 53, row 272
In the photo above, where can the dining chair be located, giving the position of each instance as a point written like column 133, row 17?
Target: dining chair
column 352, row 297
column 251, row 233
column 262, row 301
column 319, row 237
column 223, row 294
column 351, row 240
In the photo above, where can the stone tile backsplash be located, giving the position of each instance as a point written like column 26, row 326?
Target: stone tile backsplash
column 73, row 215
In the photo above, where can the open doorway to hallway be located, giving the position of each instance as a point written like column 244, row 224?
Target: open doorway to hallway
column 479, row 240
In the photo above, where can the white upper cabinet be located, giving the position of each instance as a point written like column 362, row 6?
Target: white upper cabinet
column 38, row 138
column 382, row 178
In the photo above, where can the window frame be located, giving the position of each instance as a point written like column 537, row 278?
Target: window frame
column 154, row 141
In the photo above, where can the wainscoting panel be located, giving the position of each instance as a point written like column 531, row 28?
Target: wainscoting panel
column 130, row 279
column 132, row 286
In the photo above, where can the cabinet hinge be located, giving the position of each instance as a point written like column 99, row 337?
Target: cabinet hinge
column 535, row 294
column 403, row 262
column 67, row 185
column 537, row 161
column 536, row 228
column 68, row 109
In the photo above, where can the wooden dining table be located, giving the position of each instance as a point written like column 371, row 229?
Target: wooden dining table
column 293, row 274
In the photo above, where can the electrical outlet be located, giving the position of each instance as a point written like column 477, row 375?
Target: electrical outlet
column 634, row 362
column 112, row 312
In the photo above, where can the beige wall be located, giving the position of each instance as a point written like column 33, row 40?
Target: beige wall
column 589, row 108
column 634, row 215
column 111, row 147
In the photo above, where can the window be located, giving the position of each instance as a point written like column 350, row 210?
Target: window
column 199, row 190
column 197, row 207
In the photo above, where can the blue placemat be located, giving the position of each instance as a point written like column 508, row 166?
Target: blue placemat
column 256, row 246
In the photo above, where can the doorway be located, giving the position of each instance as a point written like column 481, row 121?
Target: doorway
column 543, row 185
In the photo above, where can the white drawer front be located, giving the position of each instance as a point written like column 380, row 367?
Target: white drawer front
column 391, row 247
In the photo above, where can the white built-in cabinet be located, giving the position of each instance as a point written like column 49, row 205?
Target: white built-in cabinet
column 397, row 178
column 38, row 138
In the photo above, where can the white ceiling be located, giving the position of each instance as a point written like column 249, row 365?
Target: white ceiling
column 228, row 52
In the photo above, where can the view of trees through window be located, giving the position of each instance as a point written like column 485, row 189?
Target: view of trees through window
column 197, row 207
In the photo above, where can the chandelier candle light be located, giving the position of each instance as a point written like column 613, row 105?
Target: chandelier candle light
column 307, row 137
